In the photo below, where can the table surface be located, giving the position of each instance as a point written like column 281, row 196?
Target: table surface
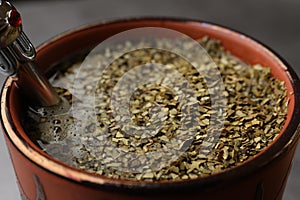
column 274, row 22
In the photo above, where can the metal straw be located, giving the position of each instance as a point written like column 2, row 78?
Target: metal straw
column 17, row 58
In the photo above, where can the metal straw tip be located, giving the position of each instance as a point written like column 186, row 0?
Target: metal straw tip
column 17, row 56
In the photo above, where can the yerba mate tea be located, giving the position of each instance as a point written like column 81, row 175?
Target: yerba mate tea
column 93, row 134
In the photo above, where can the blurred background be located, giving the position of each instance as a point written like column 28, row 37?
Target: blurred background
column 276, row 23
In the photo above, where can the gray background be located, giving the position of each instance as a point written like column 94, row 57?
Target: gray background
column 274, row 22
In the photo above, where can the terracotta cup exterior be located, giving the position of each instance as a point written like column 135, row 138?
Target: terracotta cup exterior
column 43, row 177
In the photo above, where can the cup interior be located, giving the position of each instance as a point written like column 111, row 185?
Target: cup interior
column 85, row 38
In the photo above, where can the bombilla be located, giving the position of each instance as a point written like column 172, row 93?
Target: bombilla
column 17, row 58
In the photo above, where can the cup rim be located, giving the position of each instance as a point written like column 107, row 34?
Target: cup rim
column 281, row 145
